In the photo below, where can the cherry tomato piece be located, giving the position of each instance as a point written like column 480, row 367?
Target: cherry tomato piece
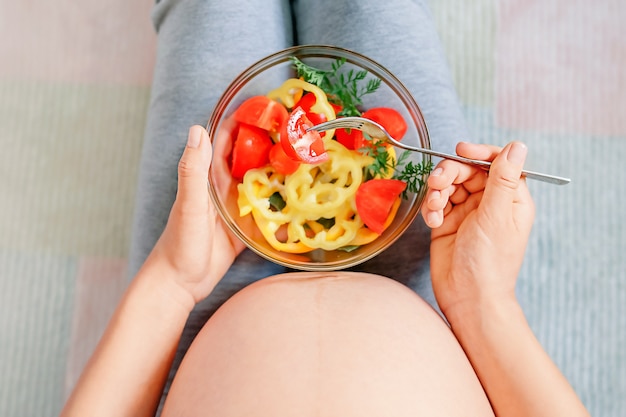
column 263, row 113
column 250, row 150
column 336, row 107
column 298, row 144
column 374, row 200
column 305, row 103
column 281, row 162
column 350, row 138
column 390, row 119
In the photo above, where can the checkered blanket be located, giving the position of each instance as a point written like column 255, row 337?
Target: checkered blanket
column 74, row 89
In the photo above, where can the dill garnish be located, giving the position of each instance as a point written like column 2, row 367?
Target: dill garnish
column 383, row 162
column 327, row 223
column 343, row 88
column 413, row 174
column 277, row 203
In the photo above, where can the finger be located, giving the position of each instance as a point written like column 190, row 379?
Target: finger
column 432, row 218
column 437, row 199
column 434, row 204
column 524, row 213
column 481, row 152
column 453, row 216
column 193, row 169
column 445, row 182
column 504, row 179
column 459, row 195
column 450, row 172
column 432, row 208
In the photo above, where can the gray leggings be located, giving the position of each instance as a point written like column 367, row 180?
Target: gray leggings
column 204, row 44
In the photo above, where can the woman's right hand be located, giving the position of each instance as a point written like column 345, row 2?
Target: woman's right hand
column 480, row 226
column 196, row 248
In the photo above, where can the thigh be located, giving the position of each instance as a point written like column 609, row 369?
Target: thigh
column 401, row 36
column 202, row 47
column 333, row 344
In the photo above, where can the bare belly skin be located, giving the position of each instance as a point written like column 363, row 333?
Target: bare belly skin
column 326, row 344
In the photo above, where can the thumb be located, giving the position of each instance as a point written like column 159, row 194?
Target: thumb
column 193, row 169
column 504, row 177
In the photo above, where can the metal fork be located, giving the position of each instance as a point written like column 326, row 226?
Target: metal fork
column 375, row 130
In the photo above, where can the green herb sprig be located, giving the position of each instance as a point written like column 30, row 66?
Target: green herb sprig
column 343, row 88
column 277, row 202
column 383, row 162
column 412, row 174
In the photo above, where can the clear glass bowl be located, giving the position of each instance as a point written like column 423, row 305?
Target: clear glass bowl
column 268, row 74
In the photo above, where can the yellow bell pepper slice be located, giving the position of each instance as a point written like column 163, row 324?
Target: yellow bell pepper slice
column 269, row 229
column 289, row 91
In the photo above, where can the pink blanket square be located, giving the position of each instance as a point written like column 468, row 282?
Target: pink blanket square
column 560, row 66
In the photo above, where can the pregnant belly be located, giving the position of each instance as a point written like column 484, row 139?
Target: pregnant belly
column 320, row 344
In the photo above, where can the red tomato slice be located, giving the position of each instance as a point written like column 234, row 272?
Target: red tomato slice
column 352, row 140
column 263, row 113
column 390, row 119
column 299, row 144
column 305, row 103
column 251, row 150
column 374, row 200
column 281, row 162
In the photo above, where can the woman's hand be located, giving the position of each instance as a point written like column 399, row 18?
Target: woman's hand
column 196, row 249
column 481, row 223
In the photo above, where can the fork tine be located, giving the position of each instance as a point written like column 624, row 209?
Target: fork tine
column 337, row 124
column 366, row 126
column 333, row 124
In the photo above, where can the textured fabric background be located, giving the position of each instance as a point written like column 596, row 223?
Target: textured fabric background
column 74, row 88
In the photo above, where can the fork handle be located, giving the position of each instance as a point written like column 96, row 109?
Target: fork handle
column 552, row 179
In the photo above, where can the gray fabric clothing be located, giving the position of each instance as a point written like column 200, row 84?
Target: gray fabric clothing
column 203, row 45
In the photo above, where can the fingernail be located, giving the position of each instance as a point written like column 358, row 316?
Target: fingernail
column 437, row 172
column 517, row 153
column 195, row 134
column 433, row 218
